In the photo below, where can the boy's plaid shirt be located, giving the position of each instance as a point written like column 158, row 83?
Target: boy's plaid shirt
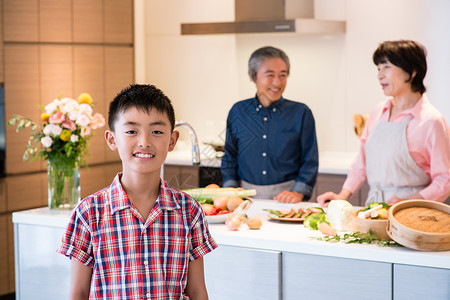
column 133, row 258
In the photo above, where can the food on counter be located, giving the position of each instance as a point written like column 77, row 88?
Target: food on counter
column 212, row 186
column 424, row 219
column 234, row 221
column 313, row 221
column 221, row 202
column 206, row 195
column 254, row 223
column 211, row 210
column 326, row 229
column 295, row 213
column 339, row 214
column 234, row 202
column 375, row 211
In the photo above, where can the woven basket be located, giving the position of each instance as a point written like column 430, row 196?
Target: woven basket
column 364, row 225
column 420, row 225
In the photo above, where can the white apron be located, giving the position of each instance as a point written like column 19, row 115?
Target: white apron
column 389, row 167
column 268, row 191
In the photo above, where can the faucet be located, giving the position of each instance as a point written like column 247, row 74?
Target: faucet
column 194, row 141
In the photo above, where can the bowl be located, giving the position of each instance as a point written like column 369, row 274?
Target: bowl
column 418, row 227
column 364, row 225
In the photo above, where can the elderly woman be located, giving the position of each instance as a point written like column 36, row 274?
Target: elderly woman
column 271, row 143
column 405, row 145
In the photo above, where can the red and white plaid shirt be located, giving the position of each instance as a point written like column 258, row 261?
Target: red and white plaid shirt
column 134, row 258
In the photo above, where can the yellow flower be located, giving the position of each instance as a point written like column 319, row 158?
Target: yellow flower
column 65, row 135
column 85, row 98
column 44, row 117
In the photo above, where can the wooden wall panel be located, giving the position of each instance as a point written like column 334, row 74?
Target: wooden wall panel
column 56, row 68
column 88, row 21
column 55, row 20
column 2, row 195
column 119, row 73
column 89, row 78
column 11, row 264
column 4, row 255
column 1, row 42
column 119, row 21
column 20, row 198
column 20, row 20
column 21, row 97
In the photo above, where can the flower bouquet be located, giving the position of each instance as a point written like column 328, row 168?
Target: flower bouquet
column 62, row 141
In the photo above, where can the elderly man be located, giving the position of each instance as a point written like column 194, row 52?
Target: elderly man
column 271, row 143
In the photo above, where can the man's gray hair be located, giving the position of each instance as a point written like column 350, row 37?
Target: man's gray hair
column 257, row 59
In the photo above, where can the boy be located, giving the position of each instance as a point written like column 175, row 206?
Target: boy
column 138, row 238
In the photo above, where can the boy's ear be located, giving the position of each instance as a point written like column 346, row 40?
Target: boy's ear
column 173, row 139
column 110, row 140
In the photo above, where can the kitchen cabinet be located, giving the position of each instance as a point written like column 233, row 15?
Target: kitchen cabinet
column 325, row 277
column 55, row 21
column 420, row 283
column 243, row 273
column 279, row 261
column 20, row 19
column 88, row 21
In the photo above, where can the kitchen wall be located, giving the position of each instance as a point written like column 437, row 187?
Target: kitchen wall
column 334, row 75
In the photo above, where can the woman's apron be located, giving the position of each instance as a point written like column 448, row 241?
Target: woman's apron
column 268, row 191
column 390, row 169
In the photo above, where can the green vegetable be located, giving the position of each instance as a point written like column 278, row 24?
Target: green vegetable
column 312, row 222
column 373, row 204
column 205, row 195
column 359, row 238
column 271, row 211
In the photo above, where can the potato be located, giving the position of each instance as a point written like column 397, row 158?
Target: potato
column 254, row 223
column 212, row 186
column 234, row 202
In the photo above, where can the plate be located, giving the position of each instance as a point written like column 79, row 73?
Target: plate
column 216, row 219
column 275, row 217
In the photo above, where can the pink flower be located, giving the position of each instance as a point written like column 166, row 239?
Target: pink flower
column 83, row 120
column 57, row 118
column 97, row 121
column 85, row 131
column 69, row 124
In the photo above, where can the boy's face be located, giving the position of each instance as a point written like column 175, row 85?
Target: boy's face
column 142, row 139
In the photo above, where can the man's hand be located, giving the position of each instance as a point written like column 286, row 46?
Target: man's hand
column 289, row 197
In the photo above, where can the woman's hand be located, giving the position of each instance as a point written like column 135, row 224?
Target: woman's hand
column 289, row 197
column 395, row 199
column 325, row 198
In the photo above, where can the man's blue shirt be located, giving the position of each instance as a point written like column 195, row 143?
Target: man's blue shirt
column 270, row 145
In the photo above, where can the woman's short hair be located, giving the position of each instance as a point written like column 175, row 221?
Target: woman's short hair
column 257, row 59
column 407, row 55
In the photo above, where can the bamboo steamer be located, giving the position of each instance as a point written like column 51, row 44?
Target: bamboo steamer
column 364, row 225
column 415, row 239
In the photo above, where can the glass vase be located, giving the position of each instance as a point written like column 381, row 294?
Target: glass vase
column 63, row 186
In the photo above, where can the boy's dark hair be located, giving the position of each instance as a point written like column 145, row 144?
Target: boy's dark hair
column 143, row 97
column 407, row 55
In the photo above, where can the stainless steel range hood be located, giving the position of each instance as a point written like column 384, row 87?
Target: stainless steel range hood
column 264, row 16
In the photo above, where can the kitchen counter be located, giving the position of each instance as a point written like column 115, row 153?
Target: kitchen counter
column 276, row 246
column 329, row 162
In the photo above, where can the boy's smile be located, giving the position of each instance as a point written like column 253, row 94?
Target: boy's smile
column 142, row 139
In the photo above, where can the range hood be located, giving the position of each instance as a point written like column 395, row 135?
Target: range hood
column 265, row 16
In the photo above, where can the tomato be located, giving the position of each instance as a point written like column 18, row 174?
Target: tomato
column 224, row 211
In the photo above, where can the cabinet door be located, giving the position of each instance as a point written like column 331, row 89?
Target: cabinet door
column 4, row 256
column 412, row 282
column 20, row 19
column 242, row 273
column 56, row 72
column 334, row 182
column 119, row 21
column 26, row 191
column 88, row 21
column 21, row 97
column 89, row 78
column 308, row 276
column 55, row 21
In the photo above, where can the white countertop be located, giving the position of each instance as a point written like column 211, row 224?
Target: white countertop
column 329, row 162
column 277, row 236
